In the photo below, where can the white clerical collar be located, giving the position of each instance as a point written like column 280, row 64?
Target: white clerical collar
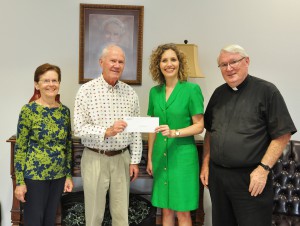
column 235, row 88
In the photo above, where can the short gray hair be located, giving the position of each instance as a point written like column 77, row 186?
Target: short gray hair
column 107, row 48
column 233, row 48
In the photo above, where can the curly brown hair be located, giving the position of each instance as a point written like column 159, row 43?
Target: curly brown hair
column 155, row 59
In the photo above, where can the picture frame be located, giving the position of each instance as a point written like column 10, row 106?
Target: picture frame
column 101, row 24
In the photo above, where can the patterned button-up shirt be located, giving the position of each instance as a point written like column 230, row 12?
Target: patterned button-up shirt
column 97, row 106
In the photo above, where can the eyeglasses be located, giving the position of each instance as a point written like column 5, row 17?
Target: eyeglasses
column 232, row 64
column 48, row 81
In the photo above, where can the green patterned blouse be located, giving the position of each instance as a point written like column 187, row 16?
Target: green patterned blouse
column 43, row 145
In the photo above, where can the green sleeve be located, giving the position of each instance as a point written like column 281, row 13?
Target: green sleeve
column 23, row 130
column 196, row 104
column 69, row 149
column 150, row 103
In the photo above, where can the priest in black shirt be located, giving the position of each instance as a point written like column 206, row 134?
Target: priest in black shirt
column 247, row 128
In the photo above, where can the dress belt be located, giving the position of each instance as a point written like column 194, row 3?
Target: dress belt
column 108, row 153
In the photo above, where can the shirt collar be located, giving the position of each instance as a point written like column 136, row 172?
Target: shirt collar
column 108, row 86
column 242, row 85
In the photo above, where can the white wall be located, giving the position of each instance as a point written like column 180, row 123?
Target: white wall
column 38, row 31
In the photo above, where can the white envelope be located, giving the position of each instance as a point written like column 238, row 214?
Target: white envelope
column 141, row 124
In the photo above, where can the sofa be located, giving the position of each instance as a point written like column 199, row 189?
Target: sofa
column 286, row 183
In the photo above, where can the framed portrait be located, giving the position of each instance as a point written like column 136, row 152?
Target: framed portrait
column 101, row 25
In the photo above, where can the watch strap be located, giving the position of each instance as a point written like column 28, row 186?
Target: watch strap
column 266, row 167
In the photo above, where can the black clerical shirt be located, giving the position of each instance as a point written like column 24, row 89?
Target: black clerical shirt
column 243, row 121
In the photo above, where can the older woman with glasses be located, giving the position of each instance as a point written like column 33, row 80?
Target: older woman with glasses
column 43, row 150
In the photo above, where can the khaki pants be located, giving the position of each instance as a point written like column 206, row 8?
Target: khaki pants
column 100, row 174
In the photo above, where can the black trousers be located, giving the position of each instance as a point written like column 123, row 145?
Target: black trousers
column 42, row 199
column 232, row 203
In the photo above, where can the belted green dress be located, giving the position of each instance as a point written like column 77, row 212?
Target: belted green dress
column 175, row 160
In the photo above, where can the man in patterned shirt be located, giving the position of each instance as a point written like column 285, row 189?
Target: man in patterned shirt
column 111, row 156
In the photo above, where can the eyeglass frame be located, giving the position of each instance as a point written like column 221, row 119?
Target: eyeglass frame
column 225, row 65
column 48, row 81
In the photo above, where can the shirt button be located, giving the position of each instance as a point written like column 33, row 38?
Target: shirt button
column 165, row 139
column 166, row 183
column 165, row 168
column 165, row 154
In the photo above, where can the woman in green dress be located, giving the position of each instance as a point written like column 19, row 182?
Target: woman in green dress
column 172, row 155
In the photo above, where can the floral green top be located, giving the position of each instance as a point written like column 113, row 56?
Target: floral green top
column 43, row 145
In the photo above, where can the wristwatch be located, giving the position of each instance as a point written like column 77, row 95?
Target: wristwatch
column 267, row 168
column 177, row 133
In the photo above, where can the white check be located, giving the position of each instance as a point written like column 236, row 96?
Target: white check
column 141, row 124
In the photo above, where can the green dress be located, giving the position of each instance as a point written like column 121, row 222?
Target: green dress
column 175, row 160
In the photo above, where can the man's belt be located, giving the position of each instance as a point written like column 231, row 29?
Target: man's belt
column 108, row 153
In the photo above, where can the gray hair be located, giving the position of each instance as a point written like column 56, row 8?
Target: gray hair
column 107, row 48
column 233, row 48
